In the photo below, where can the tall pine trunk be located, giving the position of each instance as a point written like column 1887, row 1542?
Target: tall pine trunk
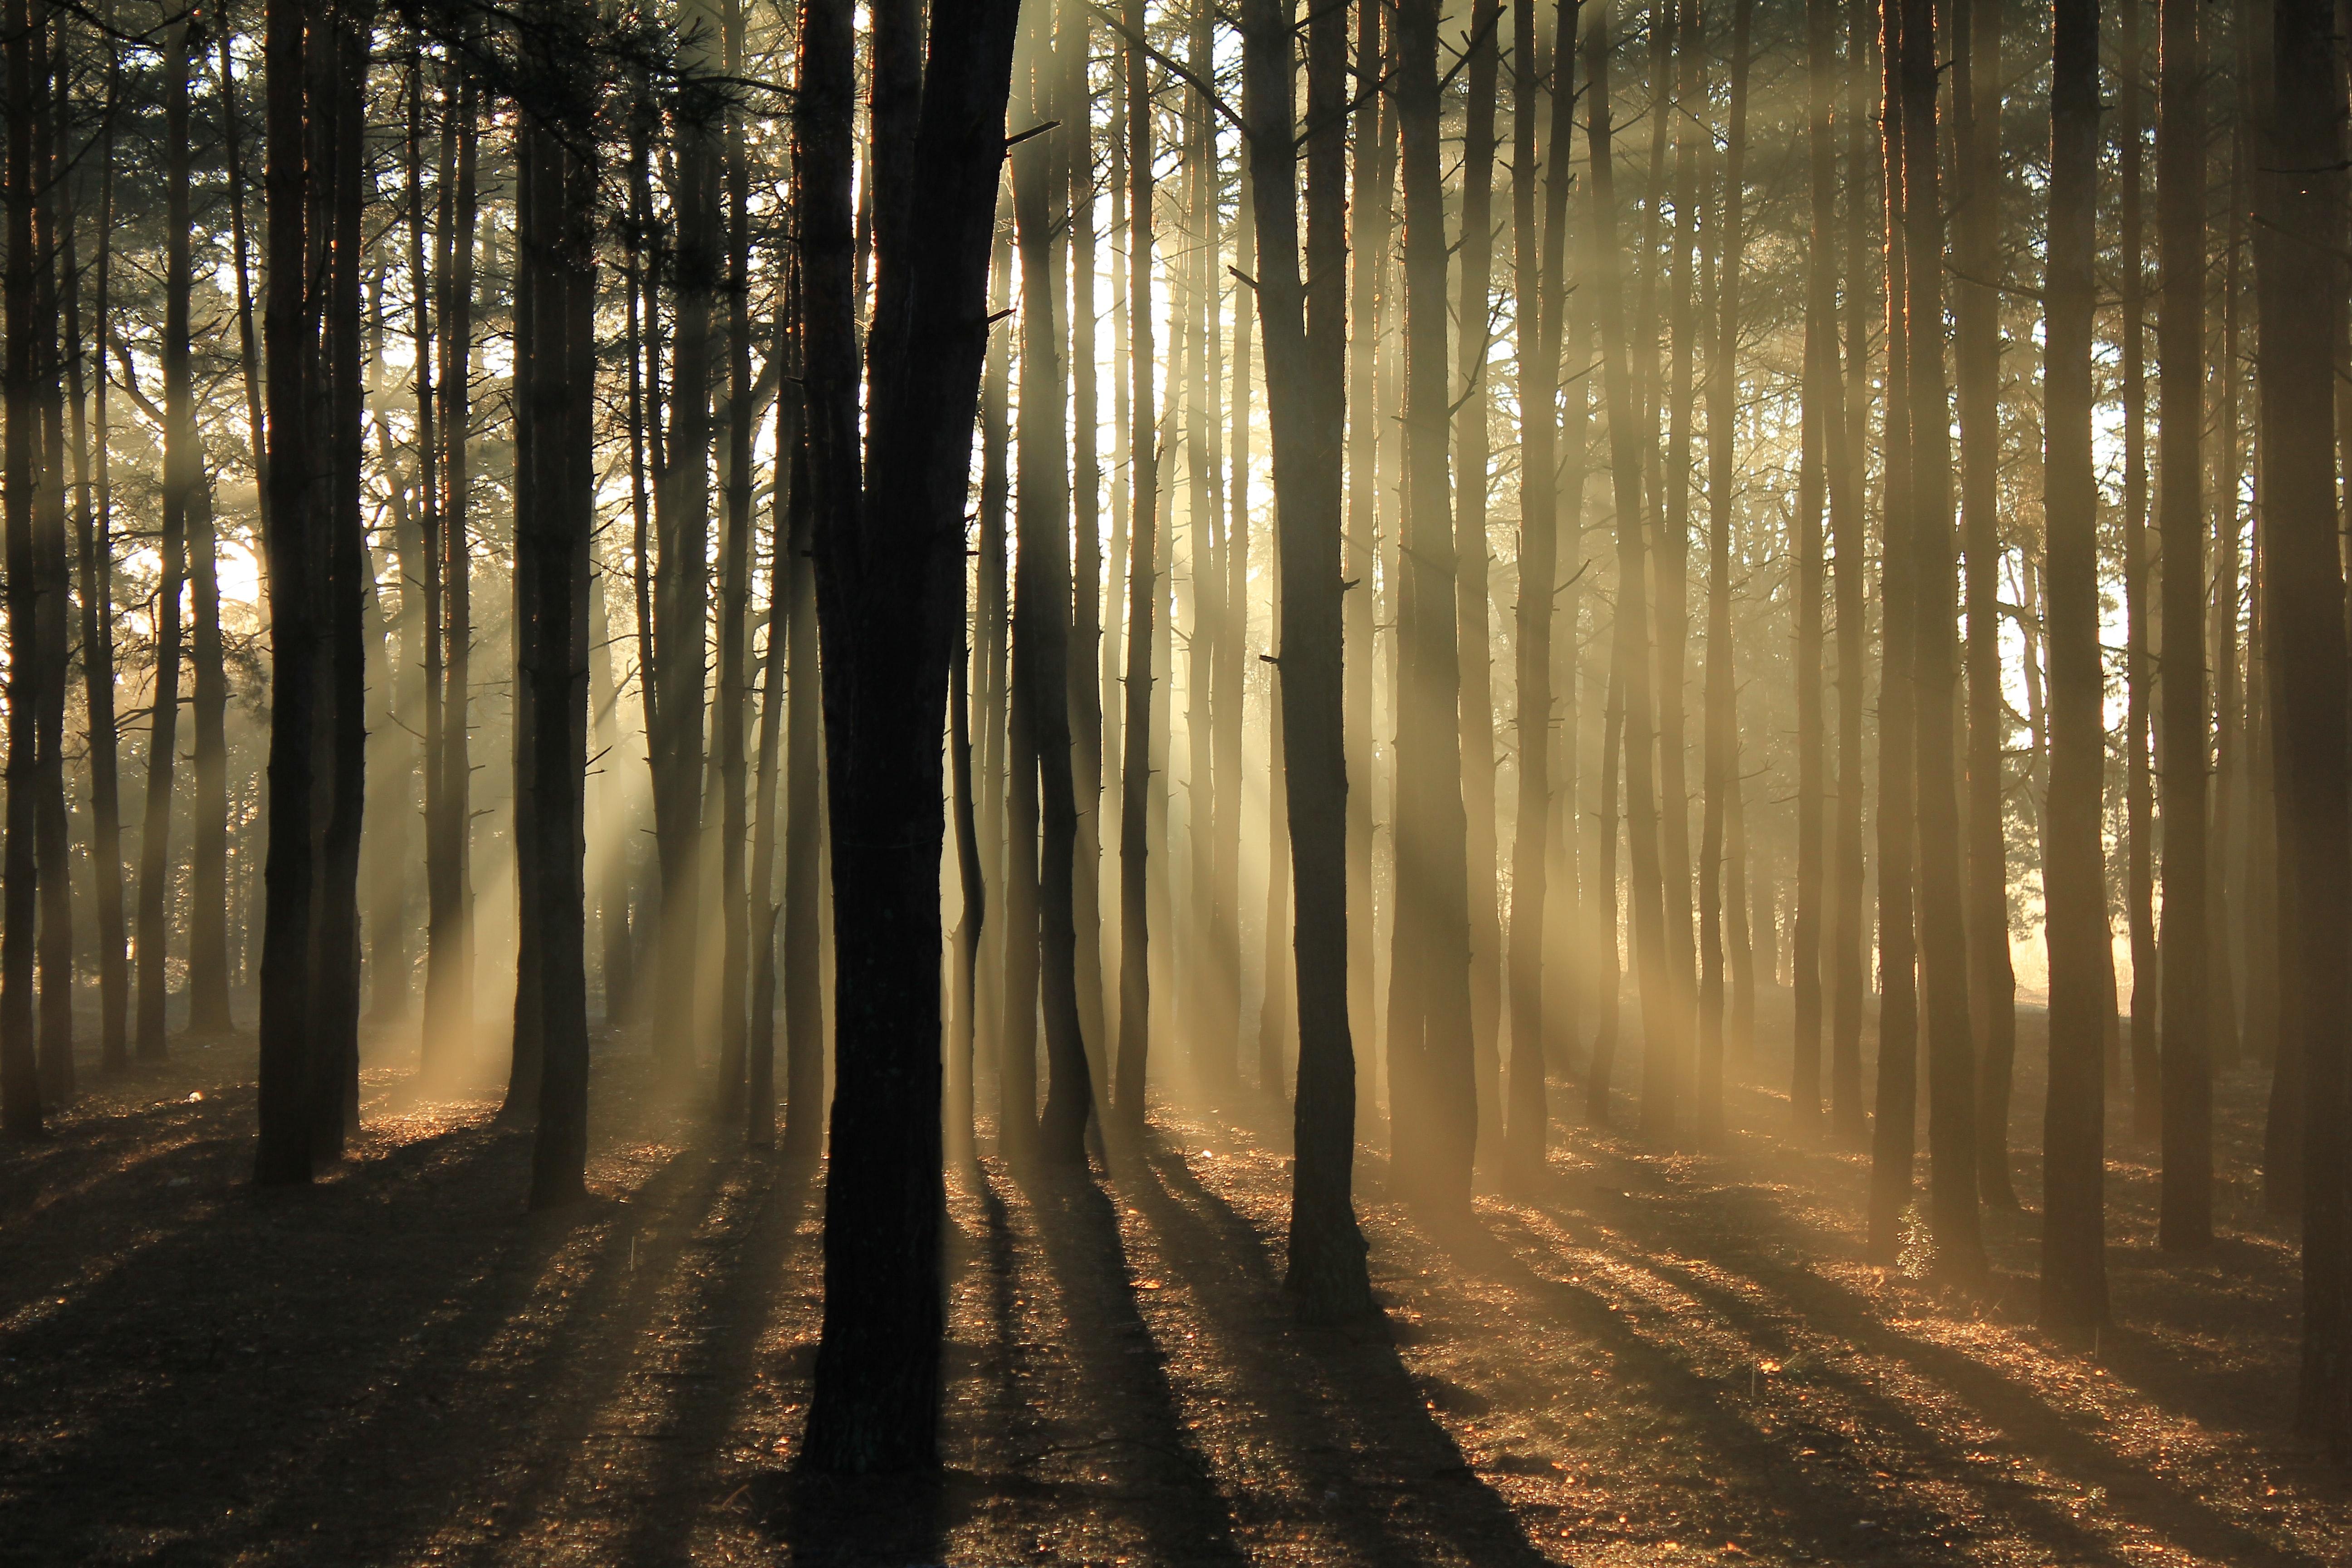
column 2073, row 1258
column 1142, row 593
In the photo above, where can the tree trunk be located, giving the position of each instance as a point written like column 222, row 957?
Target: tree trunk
column 1143, row 592
column 1475, row 570
column 282, row 1155
column 335, row 986
column 183, row 478
column 2074, row 1252
column 1662, row 1020
column 1894, row 1135
column 1041, row 617
column 1306, row 361
column 889, row 566
column 1823, row 433
column 1849, row 927
column 2185, row 1220
column 2139, row 668
column 735, row 601
column 53, row 830
column 1433, row 1093
column 2303, row 578
column 554, row 517
column 20, row 1076
column 1976, row 206
column 1722, row 719
column 94, row 521
column 1943, row 934
column 1077, row 160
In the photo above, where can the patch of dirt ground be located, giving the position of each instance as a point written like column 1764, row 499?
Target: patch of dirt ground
column 1660, row 1358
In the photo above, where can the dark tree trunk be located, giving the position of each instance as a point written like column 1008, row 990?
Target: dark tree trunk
column 208, row 957
column 803, row 843
column 1943, row 935
column 2139, row 666
column 1432, row 1094
column 890, row 570
column 2303, row 580
column 734, row 599
column 682, row 580
column 2074, row 1253
column 282, row 1155
column 449, row 958
column 1976, row 246
column 1540, row 295
column 1823, row 433
column 791, row 500
column 1305, row 361
column 182, row 479
column 1041, row 621
column 94, row 530
column 554, row 513
column 1849, row 927
column 20, row 1076
column 1661, row 1019
column 2187, row 1212
column 1142, row 595
column 1077, row 160
column 1722, row 717
column 53, row 830
column 339, row 120
column 1893, row 1129
column 1473, row 587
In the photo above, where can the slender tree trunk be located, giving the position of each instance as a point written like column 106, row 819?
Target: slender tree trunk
column 2139, row 668
column 1373, row 175
column 21, row 1080
column 1661, row 1019
column 335, row 985
column 1824, row 428
column 735, row 600
column 994, row 635
column 1975, row 205
column 1305, row 362
column 1143, row 592
column 2298, row 258
column 1041, row 614
column 554, row 507
column 1722, row 719
column 283, row 1155
column 1076, row 160
column 2187, row 1210
column 2074, row 1253
column 1943, row 935
column 1850, row 928
column 1894, row 1130
column 1536, row 311
column 1433, row 1096
column 449, row 963
column 1473, row 339
column 54, row 829
column 94, row 537
column 182, row 478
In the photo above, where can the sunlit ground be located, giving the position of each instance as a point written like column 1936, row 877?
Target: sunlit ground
column 1662, row 1358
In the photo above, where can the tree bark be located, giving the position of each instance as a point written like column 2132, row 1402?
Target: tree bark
column 2298, row 256
column 1305, row 361
column 888, row 568
column 1976, row 92
column 2074, row 1255
column 1722, row 717
column 1143, row 592
column 2186, row 1218
column 1893, row 1132
column 24, row 58
column 1433, row 1096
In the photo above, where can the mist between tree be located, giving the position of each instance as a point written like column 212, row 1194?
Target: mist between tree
column 1401, row 621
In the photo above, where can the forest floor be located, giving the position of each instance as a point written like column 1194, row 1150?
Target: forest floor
column 1662, row 1358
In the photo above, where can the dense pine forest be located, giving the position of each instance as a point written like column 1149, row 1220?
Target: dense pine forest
column 1479, row 782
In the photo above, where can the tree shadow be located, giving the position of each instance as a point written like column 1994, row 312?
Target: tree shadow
column 1382, row 1479
column 1828, row 1309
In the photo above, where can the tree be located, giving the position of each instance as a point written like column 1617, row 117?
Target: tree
column 2073, row 1266
column 1433, row 1096
column 2302, row 576
column 1304, row 323
column 2186, row 1218
column 889, row 553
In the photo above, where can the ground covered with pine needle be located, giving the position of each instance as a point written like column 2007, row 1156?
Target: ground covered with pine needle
column 1660, row 1358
